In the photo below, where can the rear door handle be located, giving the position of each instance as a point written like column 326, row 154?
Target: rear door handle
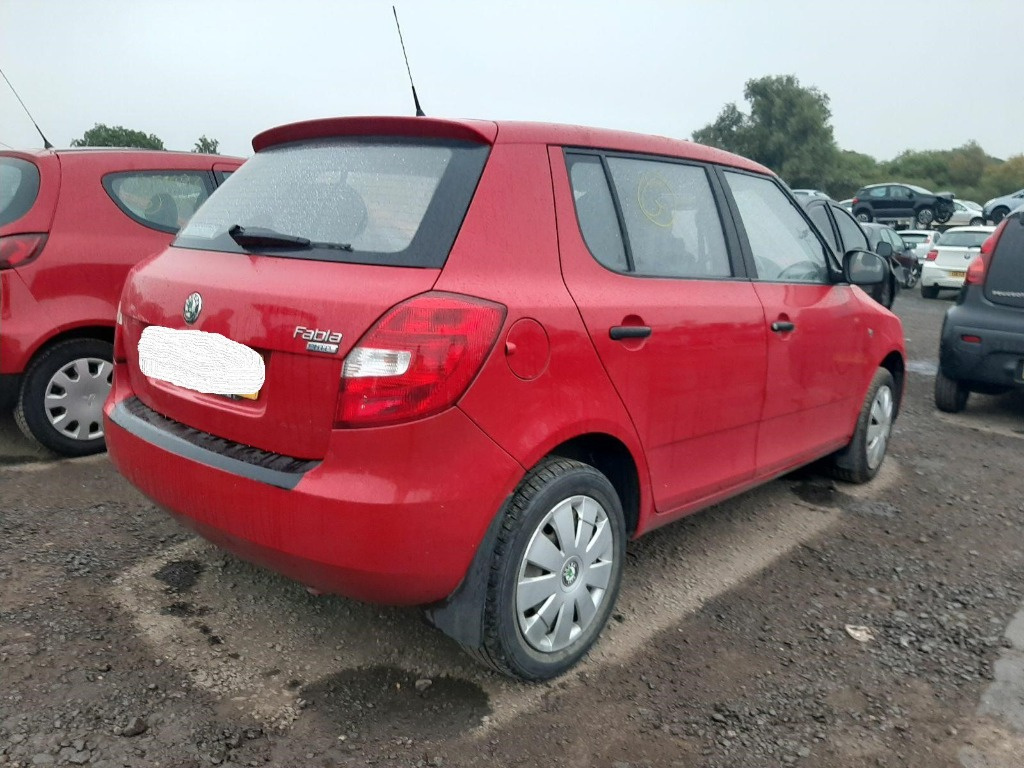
column 783, row 326
column 619, row 332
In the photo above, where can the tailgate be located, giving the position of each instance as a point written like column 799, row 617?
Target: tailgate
column 275, row 306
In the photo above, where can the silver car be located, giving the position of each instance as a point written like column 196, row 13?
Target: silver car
column 922, row 240
column 996, row 208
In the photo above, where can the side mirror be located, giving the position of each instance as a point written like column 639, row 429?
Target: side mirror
column 864, row 267
column 884, row 250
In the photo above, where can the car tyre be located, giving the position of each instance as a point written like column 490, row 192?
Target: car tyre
column 913, row 275
column 999, row 214
column 548, row 597
column 977, row 221
column 863, row 216
column 863, row 457
column 61, row 400
column 925, row 217
column 950, row 395
column 930, row 291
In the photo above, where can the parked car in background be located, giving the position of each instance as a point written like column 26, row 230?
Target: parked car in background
column 400, row 296
column 72, row 223
column 998, row 207
column 899, row 202
column 811, row 193
column 847, row 203
column 844, row 234
column 981, row 348
column 907, row 266
column 922, row 240
column 945, row 266
column 966, row 213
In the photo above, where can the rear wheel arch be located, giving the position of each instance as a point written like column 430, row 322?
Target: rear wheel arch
column 896, row 365
column 100, row 332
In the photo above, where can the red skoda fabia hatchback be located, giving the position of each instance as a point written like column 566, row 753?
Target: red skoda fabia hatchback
column 459, row 364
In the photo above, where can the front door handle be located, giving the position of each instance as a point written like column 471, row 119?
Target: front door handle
column 620, row 332
column 783, row 326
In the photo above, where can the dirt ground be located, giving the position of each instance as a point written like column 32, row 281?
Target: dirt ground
column 125, row 641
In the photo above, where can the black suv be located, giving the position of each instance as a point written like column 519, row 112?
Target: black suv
column 844, row 234
column 895, row 202
column 982, row 343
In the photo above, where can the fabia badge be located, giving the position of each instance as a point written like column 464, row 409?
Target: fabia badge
column 193, row 306
column 318, row 340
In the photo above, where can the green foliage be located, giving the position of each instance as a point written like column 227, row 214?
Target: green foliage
column 101, row 135
column 788, row 129
column 206, row 146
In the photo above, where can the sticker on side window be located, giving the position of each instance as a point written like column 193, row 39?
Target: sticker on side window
column 200, row 361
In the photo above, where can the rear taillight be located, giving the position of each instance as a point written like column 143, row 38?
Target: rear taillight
column 976, row 271
column 417, row 360
column 19, row 250
column 855, row 201
column 933, row 254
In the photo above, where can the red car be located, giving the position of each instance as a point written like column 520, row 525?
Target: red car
column 460, row 363
column 72, row 223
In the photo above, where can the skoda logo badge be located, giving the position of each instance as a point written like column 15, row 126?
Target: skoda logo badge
column 193, row 306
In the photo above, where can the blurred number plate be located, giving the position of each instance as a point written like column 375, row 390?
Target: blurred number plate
column 958, row 274
column 200, row 361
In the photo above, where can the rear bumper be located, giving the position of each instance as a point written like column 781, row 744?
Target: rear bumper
column 937, row 276
column 994, row 361
column 390, row 515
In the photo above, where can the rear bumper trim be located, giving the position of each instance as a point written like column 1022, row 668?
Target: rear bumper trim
column 133, row 416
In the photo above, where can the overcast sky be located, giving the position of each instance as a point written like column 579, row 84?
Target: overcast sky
column 918, row 74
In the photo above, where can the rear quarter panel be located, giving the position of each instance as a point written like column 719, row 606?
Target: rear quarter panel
column 507, row 251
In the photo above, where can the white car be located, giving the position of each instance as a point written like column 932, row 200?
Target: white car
column 923, row 240
column 966, row 213
column 946, row 264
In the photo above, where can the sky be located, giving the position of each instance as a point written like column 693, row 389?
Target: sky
column 900, row 74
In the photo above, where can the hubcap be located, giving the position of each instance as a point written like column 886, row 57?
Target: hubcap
column 879, row 426
column 74, row 398
column 564, row 574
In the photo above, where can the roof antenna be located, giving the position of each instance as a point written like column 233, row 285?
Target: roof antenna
column 415, row 98
column 46, row 144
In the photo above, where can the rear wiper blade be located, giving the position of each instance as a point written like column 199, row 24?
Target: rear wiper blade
column 262, row 237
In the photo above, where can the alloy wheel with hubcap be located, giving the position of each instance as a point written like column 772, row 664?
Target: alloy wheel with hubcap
column 863, row 456
column 555, row 571
column 62, row 396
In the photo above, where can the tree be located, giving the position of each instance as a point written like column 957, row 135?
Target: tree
column 788, row 130
column 101, row 135
column 206, row 146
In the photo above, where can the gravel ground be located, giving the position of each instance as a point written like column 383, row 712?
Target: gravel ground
column 867, row 636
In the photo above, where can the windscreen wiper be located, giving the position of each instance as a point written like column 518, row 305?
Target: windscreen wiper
column 261, row 237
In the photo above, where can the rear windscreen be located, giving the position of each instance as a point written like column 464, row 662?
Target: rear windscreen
column 19, row 187
column 964, row 239
column 388, row 201
column 1004, row 281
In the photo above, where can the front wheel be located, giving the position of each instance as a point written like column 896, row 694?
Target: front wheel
column 863, row 216
column 913, row 275
column 999, row 214
column 925, row 217
column 862, row 458
column 950, row 395
column 977, row 221
column 61, row 399
column 555, row 571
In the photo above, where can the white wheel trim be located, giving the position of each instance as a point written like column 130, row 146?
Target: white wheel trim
column 564, row 574
column 879, row 426
column 74, row 396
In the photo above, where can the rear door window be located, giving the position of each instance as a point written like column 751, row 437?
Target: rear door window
column 849, row 230
column 163, row 200
column 671, row 220
column 389, row 201
column 19, row 188
column 819, row 216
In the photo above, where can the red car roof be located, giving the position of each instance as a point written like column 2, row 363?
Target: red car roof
column 491, row 132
